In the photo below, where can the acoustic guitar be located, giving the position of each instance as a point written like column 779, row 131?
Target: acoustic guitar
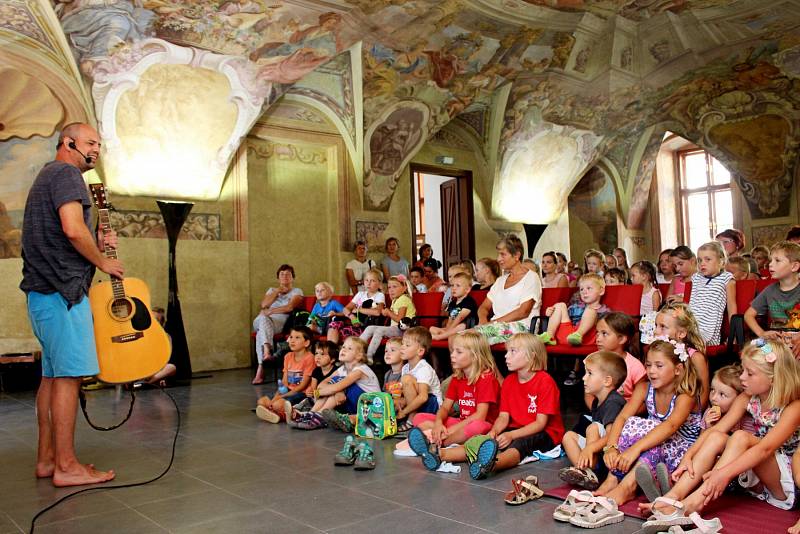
column 131, row 344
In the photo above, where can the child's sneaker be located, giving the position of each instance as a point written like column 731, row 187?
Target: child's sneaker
column 365, row 457
column 265, row 414
column 304, row 405
column 287, row 411
column 312, row 421
column 547, row 339
column 575, row 339
column 339, row 421
column 485, row 457
column 429, row 452
column 572, row 379
column 347, row 455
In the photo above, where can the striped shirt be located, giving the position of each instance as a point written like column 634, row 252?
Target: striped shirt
column 708, row 303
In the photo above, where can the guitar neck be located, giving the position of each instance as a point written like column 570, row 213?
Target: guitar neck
column 109, row 251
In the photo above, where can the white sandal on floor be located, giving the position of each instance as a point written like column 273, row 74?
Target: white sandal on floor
column 574, row 502
column 603, row 512
column 704, row 526
column 661, row 521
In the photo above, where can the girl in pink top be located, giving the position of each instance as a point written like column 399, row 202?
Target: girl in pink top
column 685, row 265
column 616, row 332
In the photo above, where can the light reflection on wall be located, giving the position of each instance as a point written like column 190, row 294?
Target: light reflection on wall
column 538, row 172
column 171, row 129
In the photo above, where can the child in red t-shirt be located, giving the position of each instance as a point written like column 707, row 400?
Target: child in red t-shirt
column 475, row 387
column 529, row 418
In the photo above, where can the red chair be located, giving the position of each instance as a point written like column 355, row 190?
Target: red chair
column 733, row 330
column 664, row 290
column 479, row 295
column 763, row 283
column 429, row 308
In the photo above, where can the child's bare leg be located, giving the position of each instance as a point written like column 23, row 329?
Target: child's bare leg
column 277, row 404
column 333, row 335
column 425, row 425
column 795, row 529
column 570, row 445
column 334, row 400
column 410, row 390
column 588, row 320
column 558, row 316
column 608, row 484
column 737, row 444
column 506, row 460
column 319, row 405
column 266, row 402
column 592, row 435
column 625, row 490
column 702, row 462
column 436, row 332
column 455, row 454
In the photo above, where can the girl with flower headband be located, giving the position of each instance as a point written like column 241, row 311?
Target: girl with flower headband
column 670, row 397
column 771, row 381
column 676, row 321
column 402, row 308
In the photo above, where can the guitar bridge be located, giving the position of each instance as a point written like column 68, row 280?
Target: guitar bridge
column 125, row 338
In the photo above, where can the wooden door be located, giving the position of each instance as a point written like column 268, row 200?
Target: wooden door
column 452, row 227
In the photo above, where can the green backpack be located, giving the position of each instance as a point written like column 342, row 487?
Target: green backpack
column 375, row 417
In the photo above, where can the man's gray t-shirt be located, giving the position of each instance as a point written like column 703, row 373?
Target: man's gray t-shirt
column 50, row 261
column 776, row 303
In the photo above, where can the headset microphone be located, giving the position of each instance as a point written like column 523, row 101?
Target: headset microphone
column 75, row 148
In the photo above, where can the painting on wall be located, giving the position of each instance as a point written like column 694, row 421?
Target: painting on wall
column 769, row 235
column 593, row 201
column 371, row 232
column 20, row 162
column 150, row 224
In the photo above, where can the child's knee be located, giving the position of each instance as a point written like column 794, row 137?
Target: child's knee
column 570, row 437
column 264, row 401
column 742, row 438
column 716, row 439
column 408, row 380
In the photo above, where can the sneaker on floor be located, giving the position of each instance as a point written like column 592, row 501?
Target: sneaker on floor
column 365, row 457
column 265, row 414
column 312, row 421
column 304, row 405
column 287, row 410
column 486, row 456
column 347, row 455
column 572, row 379
column 339, row 421
column 429, row 452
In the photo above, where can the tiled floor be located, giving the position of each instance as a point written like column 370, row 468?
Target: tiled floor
column 234, row 473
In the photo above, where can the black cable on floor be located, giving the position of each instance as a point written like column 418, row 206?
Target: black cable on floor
column 131, row 485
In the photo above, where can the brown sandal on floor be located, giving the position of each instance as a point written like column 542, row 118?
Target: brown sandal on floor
column 583, row 478
column 524, row 491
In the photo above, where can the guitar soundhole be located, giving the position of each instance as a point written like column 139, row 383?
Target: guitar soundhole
column 121, row 308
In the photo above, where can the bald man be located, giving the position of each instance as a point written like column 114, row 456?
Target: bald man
column 60, row 254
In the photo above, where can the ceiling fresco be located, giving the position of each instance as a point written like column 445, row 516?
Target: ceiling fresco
column 591, row 80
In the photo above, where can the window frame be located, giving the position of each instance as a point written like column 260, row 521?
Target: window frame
column 709, row 190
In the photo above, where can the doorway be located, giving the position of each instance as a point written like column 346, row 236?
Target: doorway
column 442, row 213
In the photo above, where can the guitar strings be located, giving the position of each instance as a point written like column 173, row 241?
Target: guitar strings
column 119, row 486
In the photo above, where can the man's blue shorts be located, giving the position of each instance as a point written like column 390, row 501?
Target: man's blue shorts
column 66, row 335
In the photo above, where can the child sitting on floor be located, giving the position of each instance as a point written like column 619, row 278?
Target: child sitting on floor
column 325, row 357
column 324, row 309
column 671, row 426
column 771, row 380
column 462, row 311
column 422, row 391
column 726, row 385
column 343, row 387
column 676, row 321
column 474, row 388
column 529, row 418
column 391, row 385
column 298, row 365
column 605, row 372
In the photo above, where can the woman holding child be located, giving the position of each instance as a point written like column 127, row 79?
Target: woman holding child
column 513, row 299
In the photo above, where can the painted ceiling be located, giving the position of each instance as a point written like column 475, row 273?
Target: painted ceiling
column 547, row 88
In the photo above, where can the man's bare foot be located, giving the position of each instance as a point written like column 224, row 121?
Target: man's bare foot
column 81, row 475
column 45, row 469
column 794, row 529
